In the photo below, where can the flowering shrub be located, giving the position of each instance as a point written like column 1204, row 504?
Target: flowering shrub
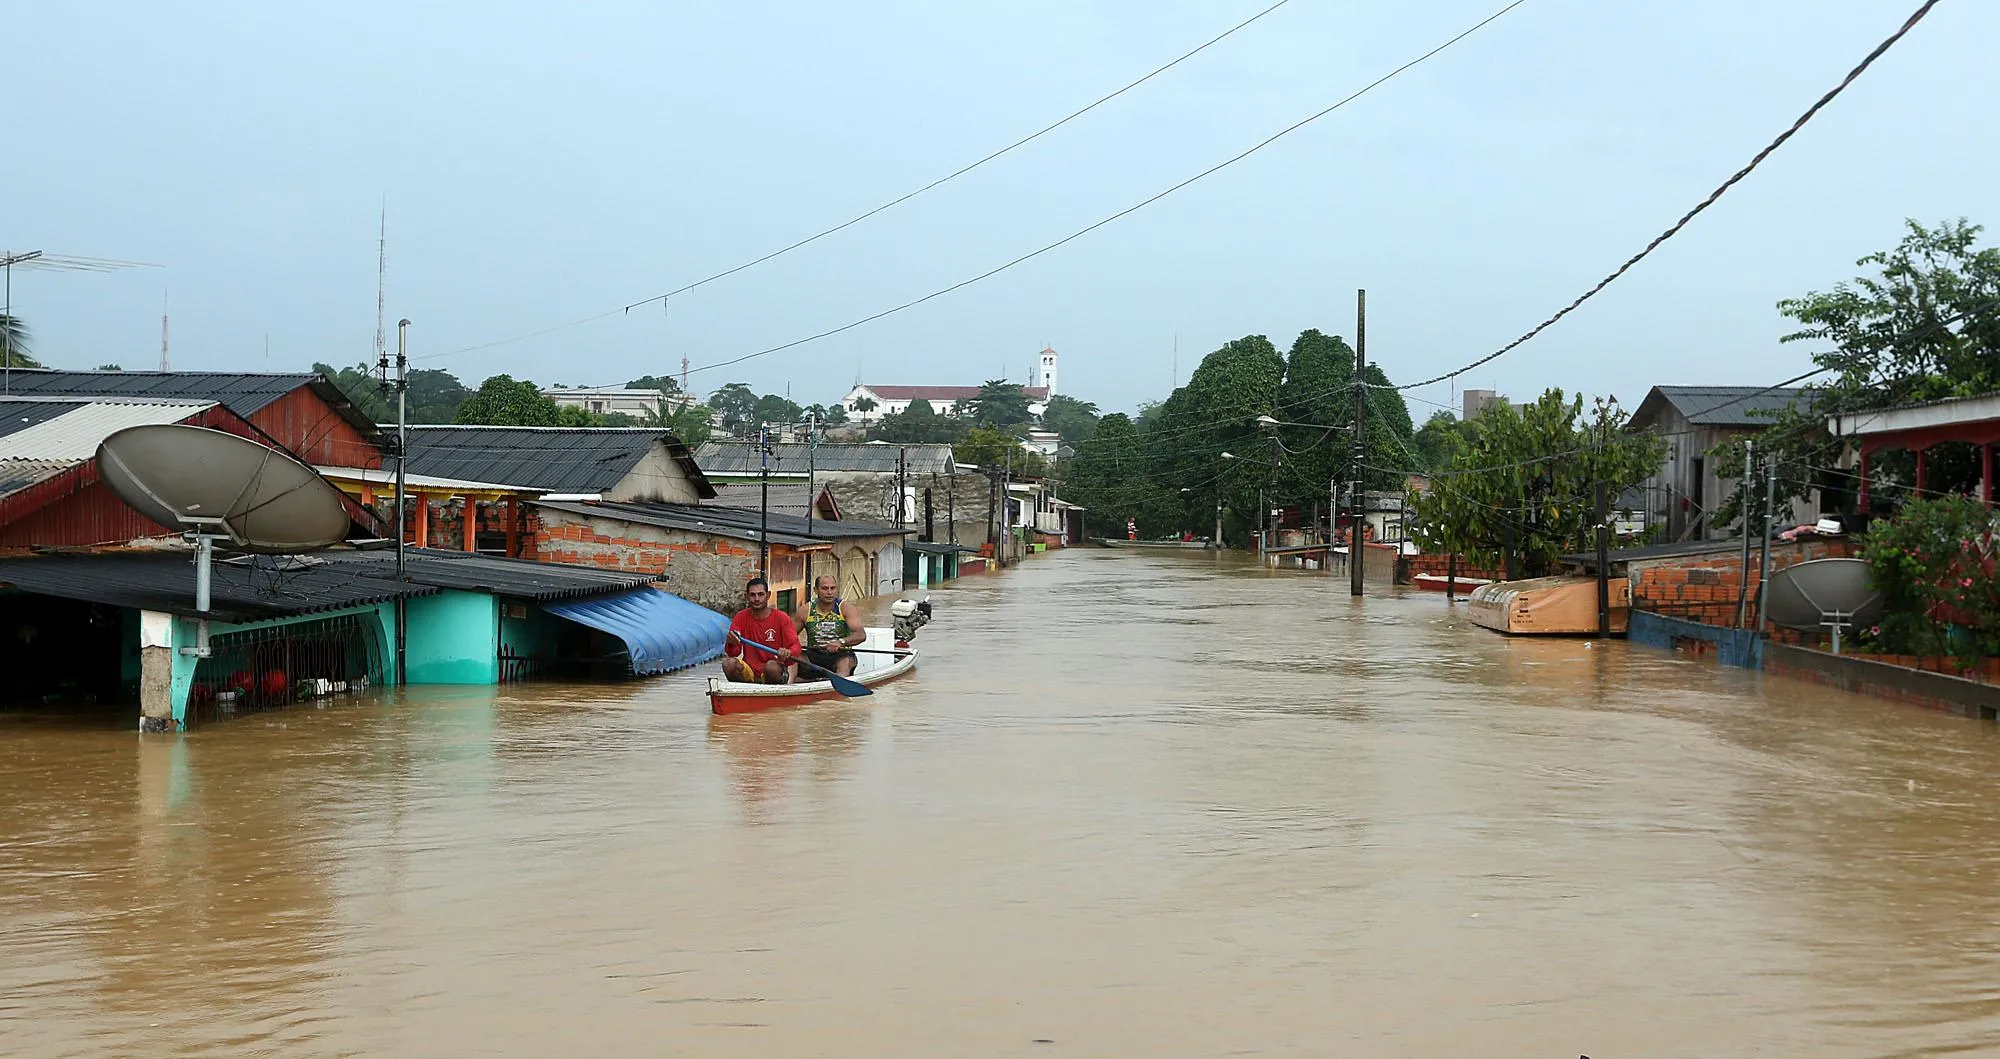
column 1934, row 565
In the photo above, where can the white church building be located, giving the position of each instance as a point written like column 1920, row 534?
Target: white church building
column 892, row 400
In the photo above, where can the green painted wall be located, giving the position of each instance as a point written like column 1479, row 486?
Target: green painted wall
column 454, row 638
column 187, row 633
column 531, row 636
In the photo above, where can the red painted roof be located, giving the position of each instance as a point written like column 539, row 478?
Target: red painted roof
column 944, row 393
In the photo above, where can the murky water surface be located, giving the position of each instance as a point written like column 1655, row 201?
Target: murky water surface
column 1128, row 806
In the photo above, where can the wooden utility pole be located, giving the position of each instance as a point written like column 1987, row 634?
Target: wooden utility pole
column 1743, row 502
column 1358, row 503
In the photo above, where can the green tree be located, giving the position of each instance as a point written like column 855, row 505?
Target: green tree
column 1923, row 324
column 735, row 407
column 1440, row 440
column 919, row 424
column 662, row 383
column 691, row 423
column 570, row 415
column 434, row 395
column 998, row 403
column 503, row 401
column 1526, row 481
column 773, row 410
column 110, row 367
column 996, row 451
column 1073, row 419
column 14, row 340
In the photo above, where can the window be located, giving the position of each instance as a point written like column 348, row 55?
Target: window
column 597, row 406
column 788, row 600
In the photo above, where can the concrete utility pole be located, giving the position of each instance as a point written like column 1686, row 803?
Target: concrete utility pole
column 1359, row 503
column 812, row 484
column 1743, row 501
column 763, row 506
column 1764, row 562
column 402, row 388
column 1603, row 560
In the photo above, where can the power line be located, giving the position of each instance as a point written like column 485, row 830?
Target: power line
column 1219, row 166
column 892, row 203
column 1690, row 215
column 1045, row 130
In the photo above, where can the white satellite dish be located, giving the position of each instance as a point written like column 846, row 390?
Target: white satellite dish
column 198, row 479
column 215, row 486
column 1823, row 593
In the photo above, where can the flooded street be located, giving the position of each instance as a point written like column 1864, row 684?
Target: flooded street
column 1128, row 805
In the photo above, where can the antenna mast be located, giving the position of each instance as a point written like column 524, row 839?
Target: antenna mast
column 381, row 279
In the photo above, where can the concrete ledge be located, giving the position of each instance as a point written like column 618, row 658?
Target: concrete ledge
column 1732, row 647
column 1954, row 695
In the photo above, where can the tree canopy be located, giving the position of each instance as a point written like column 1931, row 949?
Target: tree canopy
column 1524, row 482
column 1074, row 419
column 998, row 403
column 14, row 341
column 504, row 401
column 662, row 383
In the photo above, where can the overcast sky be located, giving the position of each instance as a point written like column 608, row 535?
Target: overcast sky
column 548, row 162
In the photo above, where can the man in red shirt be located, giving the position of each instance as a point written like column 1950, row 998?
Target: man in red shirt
column 761, row 623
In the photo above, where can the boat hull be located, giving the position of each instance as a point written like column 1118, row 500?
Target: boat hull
column 1548, row 606
column 728, row 696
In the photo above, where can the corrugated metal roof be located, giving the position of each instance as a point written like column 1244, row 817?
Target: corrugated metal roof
column 499, row 576
column 16, row 475
column 244, row 392
column 789, row 498
column 254, row 589
column 74, row 433
column 740, row 458
column 1718, row 406
column 733, row 523
column 552, row 459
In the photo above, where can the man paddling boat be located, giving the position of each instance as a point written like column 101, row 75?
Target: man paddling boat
column 763, row 624
column 832, row 627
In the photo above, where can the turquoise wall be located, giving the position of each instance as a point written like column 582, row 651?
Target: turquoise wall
column 454, row 638
column 532, row 636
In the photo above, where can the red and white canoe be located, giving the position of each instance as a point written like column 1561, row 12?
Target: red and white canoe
column 1438, row 583
column 728, row 696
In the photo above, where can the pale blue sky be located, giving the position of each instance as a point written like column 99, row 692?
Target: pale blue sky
column 552, row 161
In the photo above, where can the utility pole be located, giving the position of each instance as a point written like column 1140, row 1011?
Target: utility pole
column 1764, row 562
column 812, row 482
column 1359, row 504
column 1006, row 486
column 763, row 505
column 402, row 387
column 902, row 481
column 1743, row 501
column 1603, row 560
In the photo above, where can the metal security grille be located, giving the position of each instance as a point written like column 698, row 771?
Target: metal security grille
column 262, row 669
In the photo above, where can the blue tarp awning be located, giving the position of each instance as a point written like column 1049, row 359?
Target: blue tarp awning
column 662, row 631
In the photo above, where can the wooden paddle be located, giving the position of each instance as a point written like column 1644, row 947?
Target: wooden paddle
column 849, row 688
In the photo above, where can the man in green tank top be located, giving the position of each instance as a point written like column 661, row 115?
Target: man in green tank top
column 829, row 626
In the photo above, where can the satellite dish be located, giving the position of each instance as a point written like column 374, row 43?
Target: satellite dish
column 1822, row 593
column 216, row 484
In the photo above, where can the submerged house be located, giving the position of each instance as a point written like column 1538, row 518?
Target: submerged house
column 1693, row 420
column 121, row 625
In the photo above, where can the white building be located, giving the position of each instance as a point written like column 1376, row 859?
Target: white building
column 944, row 400
column 604, row 400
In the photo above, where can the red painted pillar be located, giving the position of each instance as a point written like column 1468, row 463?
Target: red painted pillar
column 513, row 528
column 423, row 521
column 471, row 525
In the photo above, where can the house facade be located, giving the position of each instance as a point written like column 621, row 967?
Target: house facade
column 1693, row 420
column 606, row 400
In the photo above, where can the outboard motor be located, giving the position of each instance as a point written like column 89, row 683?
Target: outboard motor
column 910, row 616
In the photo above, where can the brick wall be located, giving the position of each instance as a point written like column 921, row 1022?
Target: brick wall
column 1704, row 588
column 1439, row 565
column 703, row 569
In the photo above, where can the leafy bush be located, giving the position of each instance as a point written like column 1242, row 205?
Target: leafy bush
column 1934, row 565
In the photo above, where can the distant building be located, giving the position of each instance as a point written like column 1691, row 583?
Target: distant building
column 1693, row 420
column 944, row 400
column 605, row 400
column 1475, row 402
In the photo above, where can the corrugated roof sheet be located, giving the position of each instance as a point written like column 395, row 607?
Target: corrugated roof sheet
column 254, row 589
column 522, row 578
column 74, row 432
column 16, row 475
column 733, row 523
column 552, row 459
column 1718, row 406
column 244, row 392
column 739, row 458
column 789, row 498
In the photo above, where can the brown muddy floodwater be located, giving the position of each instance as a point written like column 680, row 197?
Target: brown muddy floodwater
column 1130, row 805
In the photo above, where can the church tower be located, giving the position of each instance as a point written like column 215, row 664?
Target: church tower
column 1048, row 373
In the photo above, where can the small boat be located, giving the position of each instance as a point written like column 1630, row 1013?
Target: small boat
column 728, row 696
column 1438, row 582
column 1549, row 606
column 1122, row 542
